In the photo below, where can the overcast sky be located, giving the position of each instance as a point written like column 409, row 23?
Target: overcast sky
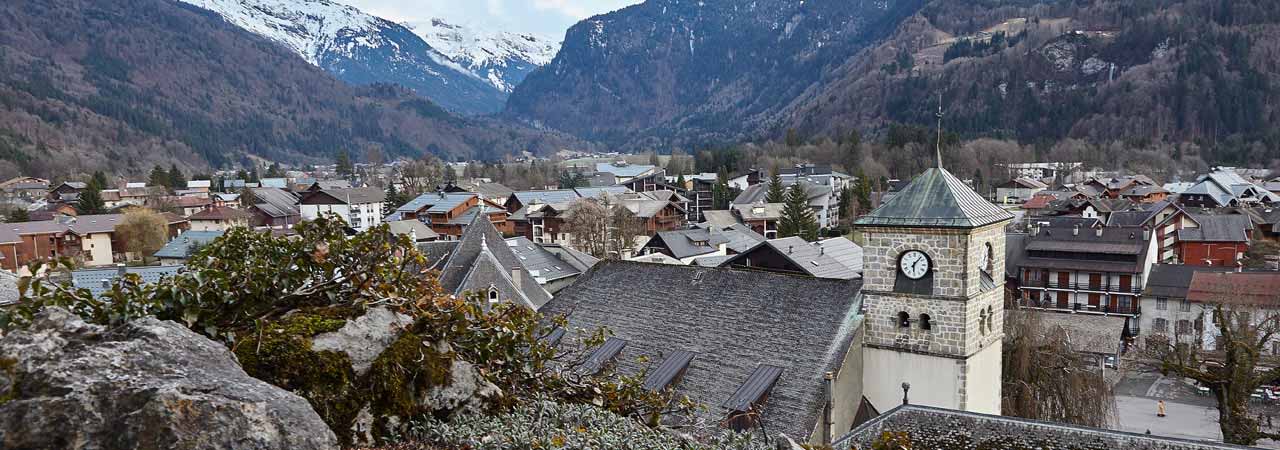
column 546, row 17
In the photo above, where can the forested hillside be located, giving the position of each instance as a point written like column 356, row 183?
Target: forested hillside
column 123, row 84
column 1194, row 78
column 1142, row 75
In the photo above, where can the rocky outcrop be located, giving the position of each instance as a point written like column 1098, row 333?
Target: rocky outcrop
column 149, row 384
column 363, row 371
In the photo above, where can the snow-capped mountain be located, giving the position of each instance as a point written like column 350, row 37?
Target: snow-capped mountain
column 502, row 58
column 362, row 49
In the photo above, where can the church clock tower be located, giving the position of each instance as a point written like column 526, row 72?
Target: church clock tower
column 933, row 282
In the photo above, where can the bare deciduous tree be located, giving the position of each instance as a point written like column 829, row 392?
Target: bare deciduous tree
column 602, row 228
column 1231, row 371
column 1045, row 379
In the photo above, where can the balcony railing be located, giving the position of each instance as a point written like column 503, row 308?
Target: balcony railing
column 1081, row 307
column 1095, row 287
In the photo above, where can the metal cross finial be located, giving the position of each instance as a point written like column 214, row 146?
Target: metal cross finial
column 939, row 115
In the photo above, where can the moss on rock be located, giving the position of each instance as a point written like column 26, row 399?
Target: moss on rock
column 280, row 353
column 402, row 373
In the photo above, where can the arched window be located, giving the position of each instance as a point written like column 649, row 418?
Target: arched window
column 924, row 322
column 991, row 319
column 904, row 319
column 989, row 261
column 982, row 321
column 493, row 294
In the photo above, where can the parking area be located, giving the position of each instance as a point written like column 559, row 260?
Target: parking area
column 1189, row 414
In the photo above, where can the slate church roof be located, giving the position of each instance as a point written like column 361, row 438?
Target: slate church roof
column 733, row 321
column 936, row 199
column 481, row 258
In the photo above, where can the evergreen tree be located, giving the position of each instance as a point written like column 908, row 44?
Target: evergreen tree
column 159, row 177
column 394, row 198
column 253, row 176
column 721, row 193
column 342, row 164
column 797, row 218
column 863, row 192
column 777, row 193
column 99, row 179
column 18, row 215
column 176, row 179
column 680, row 181
column 274, row 171
column 91, row 201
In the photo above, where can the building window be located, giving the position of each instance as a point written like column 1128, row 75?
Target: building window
column 1160, row 325
column 1184, row 306
column 904, row 319
column 1184, row 327
column 1275, row 349
column 924, row 322
column 1162, row 303
column 493, row 295
column 982, row 321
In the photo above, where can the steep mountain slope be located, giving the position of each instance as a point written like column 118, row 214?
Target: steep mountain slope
column 671, row 70
column 361, row 49
column 123, row 84
column 1163, row 71
column 502, row 58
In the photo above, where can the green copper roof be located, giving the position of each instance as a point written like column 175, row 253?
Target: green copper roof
column 936, row 199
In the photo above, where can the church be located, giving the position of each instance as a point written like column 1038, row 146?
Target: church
column 812, row 358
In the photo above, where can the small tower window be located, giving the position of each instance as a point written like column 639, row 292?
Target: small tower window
column 904, row 319
column 924, row 322
column 493, row 294
column 982, row 321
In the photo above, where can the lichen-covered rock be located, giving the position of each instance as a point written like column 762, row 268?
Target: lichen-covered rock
column 149, row 384
column 364, row 372
column 365, row 337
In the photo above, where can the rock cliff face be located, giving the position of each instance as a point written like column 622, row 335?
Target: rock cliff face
column 150, row 384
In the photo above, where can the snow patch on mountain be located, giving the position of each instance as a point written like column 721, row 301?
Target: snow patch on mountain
column 308, row 27
column 503, row 58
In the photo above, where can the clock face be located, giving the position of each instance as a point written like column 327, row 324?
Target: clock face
column 914, row 264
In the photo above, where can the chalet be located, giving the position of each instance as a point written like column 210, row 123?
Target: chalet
column 448, row 214
column 1019, row 190
column 622, row 171
column 554, row 267
column 760, row 216
column 1115, row 187
column 493, row 192
column 698, row 190
column 199, row 185
column 219, row 219
column 274, row 208
column 417, row 231
column 1165, row 308
column 747, row 179
column 1145, row 194
column 837, row 258
column 726, row 338
column 1214, row 240
column 1250, row 295
column 823, row 200
column 542, row 223
column 190, row 205
column 67, row 192
column 1224, row 187
column 28, row 188
column 814, row 174
column 361, row 208
column 686, row 246
column 1099, row 270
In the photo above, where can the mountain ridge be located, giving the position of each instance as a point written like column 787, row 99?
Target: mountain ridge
column 362, row 49
column 502, row 58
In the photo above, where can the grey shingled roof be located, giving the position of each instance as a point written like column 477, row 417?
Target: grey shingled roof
column 280, row 203
column 1217, row 228
column 1173, row 280
column 719, row 218
column 735, row 320
column 936, row 199
column 184, row 244
column 92, row 279
column 434, row 202
column 809, row 257
column 479, row 235
column 417, row 228
column 544, row 265
column 1085, row 333
column 437, row 252
column 9, row 288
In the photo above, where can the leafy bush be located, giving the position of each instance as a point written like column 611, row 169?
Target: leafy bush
column 266, row 297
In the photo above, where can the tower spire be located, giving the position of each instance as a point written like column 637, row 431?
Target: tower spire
column 939, row 115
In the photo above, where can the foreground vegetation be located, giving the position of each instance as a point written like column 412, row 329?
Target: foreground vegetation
column 267, row 298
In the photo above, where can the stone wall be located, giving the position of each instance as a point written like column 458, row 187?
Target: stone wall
column 942, row 429
column 961, row 304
